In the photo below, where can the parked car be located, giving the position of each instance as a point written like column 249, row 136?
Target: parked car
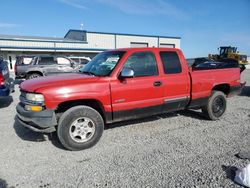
column 81, row 60
column 216, row 65
column 119, row 85
column 192, row 62
column 45, row 65
column 206, row 63
column 6, row 83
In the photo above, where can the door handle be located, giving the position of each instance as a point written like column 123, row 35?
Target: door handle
column 157, row 83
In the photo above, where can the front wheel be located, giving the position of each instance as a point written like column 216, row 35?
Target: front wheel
column 80, row 128
column 216, row 106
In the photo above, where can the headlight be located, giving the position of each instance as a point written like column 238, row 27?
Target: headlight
column 35, row 97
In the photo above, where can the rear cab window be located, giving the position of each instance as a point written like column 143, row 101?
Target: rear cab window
column 171, row 62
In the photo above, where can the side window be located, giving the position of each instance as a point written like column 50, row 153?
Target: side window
column 171, row 62
column 47, row 61
column 143, row 64
column 83, row 61
column 63, row 61
column 76, row 60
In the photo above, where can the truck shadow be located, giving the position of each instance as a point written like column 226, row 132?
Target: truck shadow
column 18, row 81
column 3, row 183
column 186, row 113
column 6, row 101
column 29, row 135
column 245, row 91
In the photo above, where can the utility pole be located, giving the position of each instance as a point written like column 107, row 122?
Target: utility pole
column 81, row 26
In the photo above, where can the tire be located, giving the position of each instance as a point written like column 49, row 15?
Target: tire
column 33, row 75
column 216, row 106
column 80, row 127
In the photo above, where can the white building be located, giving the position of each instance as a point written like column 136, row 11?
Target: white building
column 78, row 42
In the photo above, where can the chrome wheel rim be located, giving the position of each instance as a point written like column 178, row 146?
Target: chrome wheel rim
column 82, row 130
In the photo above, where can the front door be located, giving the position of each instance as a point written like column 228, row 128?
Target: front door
column 141, row 95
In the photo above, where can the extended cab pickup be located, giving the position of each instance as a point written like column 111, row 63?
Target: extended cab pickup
column 119, row 85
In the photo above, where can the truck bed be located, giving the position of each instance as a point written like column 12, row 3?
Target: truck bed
column 203, row 82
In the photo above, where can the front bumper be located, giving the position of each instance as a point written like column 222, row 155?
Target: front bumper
column 44, row 121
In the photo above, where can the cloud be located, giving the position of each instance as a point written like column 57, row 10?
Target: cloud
column 134, row 7
column 142, row 7
column 242, row 38
column 74, row 3
column 8, row 25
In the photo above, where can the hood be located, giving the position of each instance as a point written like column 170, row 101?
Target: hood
column 59, row 80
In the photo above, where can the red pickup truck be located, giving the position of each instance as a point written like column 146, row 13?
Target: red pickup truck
column 119, row 85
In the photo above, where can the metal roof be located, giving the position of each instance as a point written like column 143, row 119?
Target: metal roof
column 35, row 38
column 125, row 34
column 71, row 39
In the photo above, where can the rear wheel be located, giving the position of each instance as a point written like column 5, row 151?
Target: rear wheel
column 80, row 128
column 33, row 75
column 216, row 106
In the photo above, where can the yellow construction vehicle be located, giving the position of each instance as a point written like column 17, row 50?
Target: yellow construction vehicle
column 230, row 54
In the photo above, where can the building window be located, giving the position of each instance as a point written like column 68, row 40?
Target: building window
column 171, row 62
column 165, row 45
column 138, row 44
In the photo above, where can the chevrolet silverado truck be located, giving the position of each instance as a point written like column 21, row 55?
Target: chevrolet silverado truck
column 119, row 85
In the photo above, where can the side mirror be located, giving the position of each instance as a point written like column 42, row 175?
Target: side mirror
column 127, row 73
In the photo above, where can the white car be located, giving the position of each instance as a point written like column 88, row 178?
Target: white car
column 81, row 60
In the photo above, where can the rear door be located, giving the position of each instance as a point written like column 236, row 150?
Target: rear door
column 176, row 81
column 139, row 96
column 22, row 63
column 47, row 64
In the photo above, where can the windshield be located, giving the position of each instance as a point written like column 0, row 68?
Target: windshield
column 103, row 63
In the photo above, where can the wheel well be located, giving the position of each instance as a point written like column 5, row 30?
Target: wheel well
column 62, row 107
column 225, row 88
column 32, row 72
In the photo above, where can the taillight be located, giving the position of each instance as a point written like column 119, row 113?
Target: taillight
column 1, row 79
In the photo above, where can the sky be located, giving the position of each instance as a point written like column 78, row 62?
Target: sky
column 203, row 25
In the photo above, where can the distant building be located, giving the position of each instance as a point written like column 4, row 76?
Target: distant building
column 79, row 43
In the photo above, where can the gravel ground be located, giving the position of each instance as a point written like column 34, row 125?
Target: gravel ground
column 172, row 150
